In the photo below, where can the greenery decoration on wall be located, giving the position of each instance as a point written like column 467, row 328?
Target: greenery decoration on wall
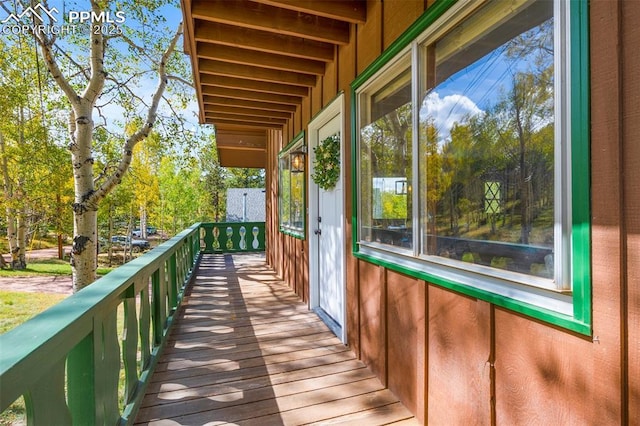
column 326, row 166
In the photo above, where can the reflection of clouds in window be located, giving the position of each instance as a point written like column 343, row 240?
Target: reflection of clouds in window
column 446, row 111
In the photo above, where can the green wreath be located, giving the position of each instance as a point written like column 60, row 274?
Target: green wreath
column 326, row 166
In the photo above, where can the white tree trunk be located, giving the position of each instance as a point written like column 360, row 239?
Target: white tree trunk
column 8, row 195
column 21, row 256
column 143, row 220
column 84, row 260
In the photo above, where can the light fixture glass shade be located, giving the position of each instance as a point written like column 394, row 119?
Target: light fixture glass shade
column 297, row 162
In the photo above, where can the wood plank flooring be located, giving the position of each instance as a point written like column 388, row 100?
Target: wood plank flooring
column 246, row 351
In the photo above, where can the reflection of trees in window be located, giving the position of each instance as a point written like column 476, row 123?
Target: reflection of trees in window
column 386, row 152
column 285, row 192
column 297, row 200
column 500, row 138
column 291, row 197
column 511, row 144
column 387, row 142
column 437, row 179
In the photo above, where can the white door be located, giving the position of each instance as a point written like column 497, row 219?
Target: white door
column 326, row 220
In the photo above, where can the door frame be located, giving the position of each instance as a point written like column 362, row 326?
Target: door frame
column 335, row 107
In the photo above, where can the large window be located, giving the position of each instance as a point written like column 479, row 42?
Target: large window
column 472, row 155
column 385, row 158
column 292, row 206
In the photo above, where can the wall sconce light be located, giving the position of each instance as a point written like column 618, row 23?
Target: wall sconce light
column 297, row 160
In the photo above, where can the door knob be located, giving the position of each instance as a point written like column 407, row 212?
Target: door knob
column 317, row 232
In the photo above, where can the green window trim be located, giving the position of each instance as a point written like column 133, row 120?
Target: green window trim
column 292, row 193
column 579, row 319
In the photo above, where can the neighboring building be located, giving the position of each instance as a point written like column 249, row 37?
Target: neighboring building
column 246, row 205
column 495, row 279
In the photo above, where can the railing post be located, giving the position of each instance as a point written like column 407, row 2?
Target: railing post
column 107, row 369
column 45, row 402
column 81, row 382
column 159, row 306
column 208, row 237
column 173, row 282
column 145, row 325
column 130, row 341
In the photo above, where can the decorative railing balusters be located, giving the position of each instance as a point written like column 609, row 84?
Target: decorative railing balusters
column 231, row 237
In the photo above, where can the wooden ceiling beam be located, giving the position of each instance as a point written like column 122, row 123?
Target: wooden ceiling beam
column 263, row 41
column 241, row 148
column 227, row 69
column 235, row 102
column 242, row 158
column 242, row 119
column 239, row 124
column 268, row 18
column 251, row 112
column 254, row 138
column 287, row 101
column 354, row 11
column 238, row 55
column 240, row 131
column 258, row 86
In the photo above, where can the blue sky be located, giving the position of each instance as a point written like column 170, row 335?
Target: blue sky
column 474, row 89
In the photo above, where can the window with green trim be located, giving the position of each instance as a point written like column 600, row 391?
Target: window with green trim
column 292, row 182
column 472, row 155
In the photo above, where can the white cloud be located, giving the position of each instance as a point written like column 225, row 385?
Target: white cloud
column 447, row 111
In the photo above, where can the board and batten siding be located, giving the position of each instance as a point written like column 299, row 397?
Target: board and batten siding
column 453, row 359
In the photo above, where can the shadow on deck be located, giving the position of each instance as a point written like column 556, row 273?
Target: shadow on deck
column 246, row 351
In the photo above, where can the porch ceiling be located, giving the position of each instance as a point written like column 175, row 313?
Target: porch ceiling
column 254, row 61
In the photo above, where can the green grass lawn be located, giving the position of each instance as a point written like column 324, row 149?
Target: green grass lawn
column 46, row 267
column 17, row 307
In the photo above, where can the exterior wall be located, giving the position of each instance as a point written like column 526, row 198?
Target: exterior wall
column 287, row 255
column 245, row 205
column 630, row 116
column 454, row 359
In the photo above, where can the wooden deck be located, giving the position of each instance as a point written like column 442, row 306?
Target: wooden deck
column 246, row 351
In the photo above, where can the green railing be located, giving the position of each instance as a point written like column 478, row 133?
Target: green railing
column 229, row 237
column 70, row 361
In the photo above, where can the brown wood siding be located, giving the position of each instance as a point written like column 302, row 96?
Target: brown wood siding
column 305, row 271
column 274, row 241
column 547, row 376
column 406, row 340
column 631, row 182
column 398, row 16
column 290, row 277
column 316, row 97
column 369, row 36
column 329, row 82
column 372, row 315
column 459, row 353
column 453, row 359
column 270, row 211
column 306, row 116
column 299, row 287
